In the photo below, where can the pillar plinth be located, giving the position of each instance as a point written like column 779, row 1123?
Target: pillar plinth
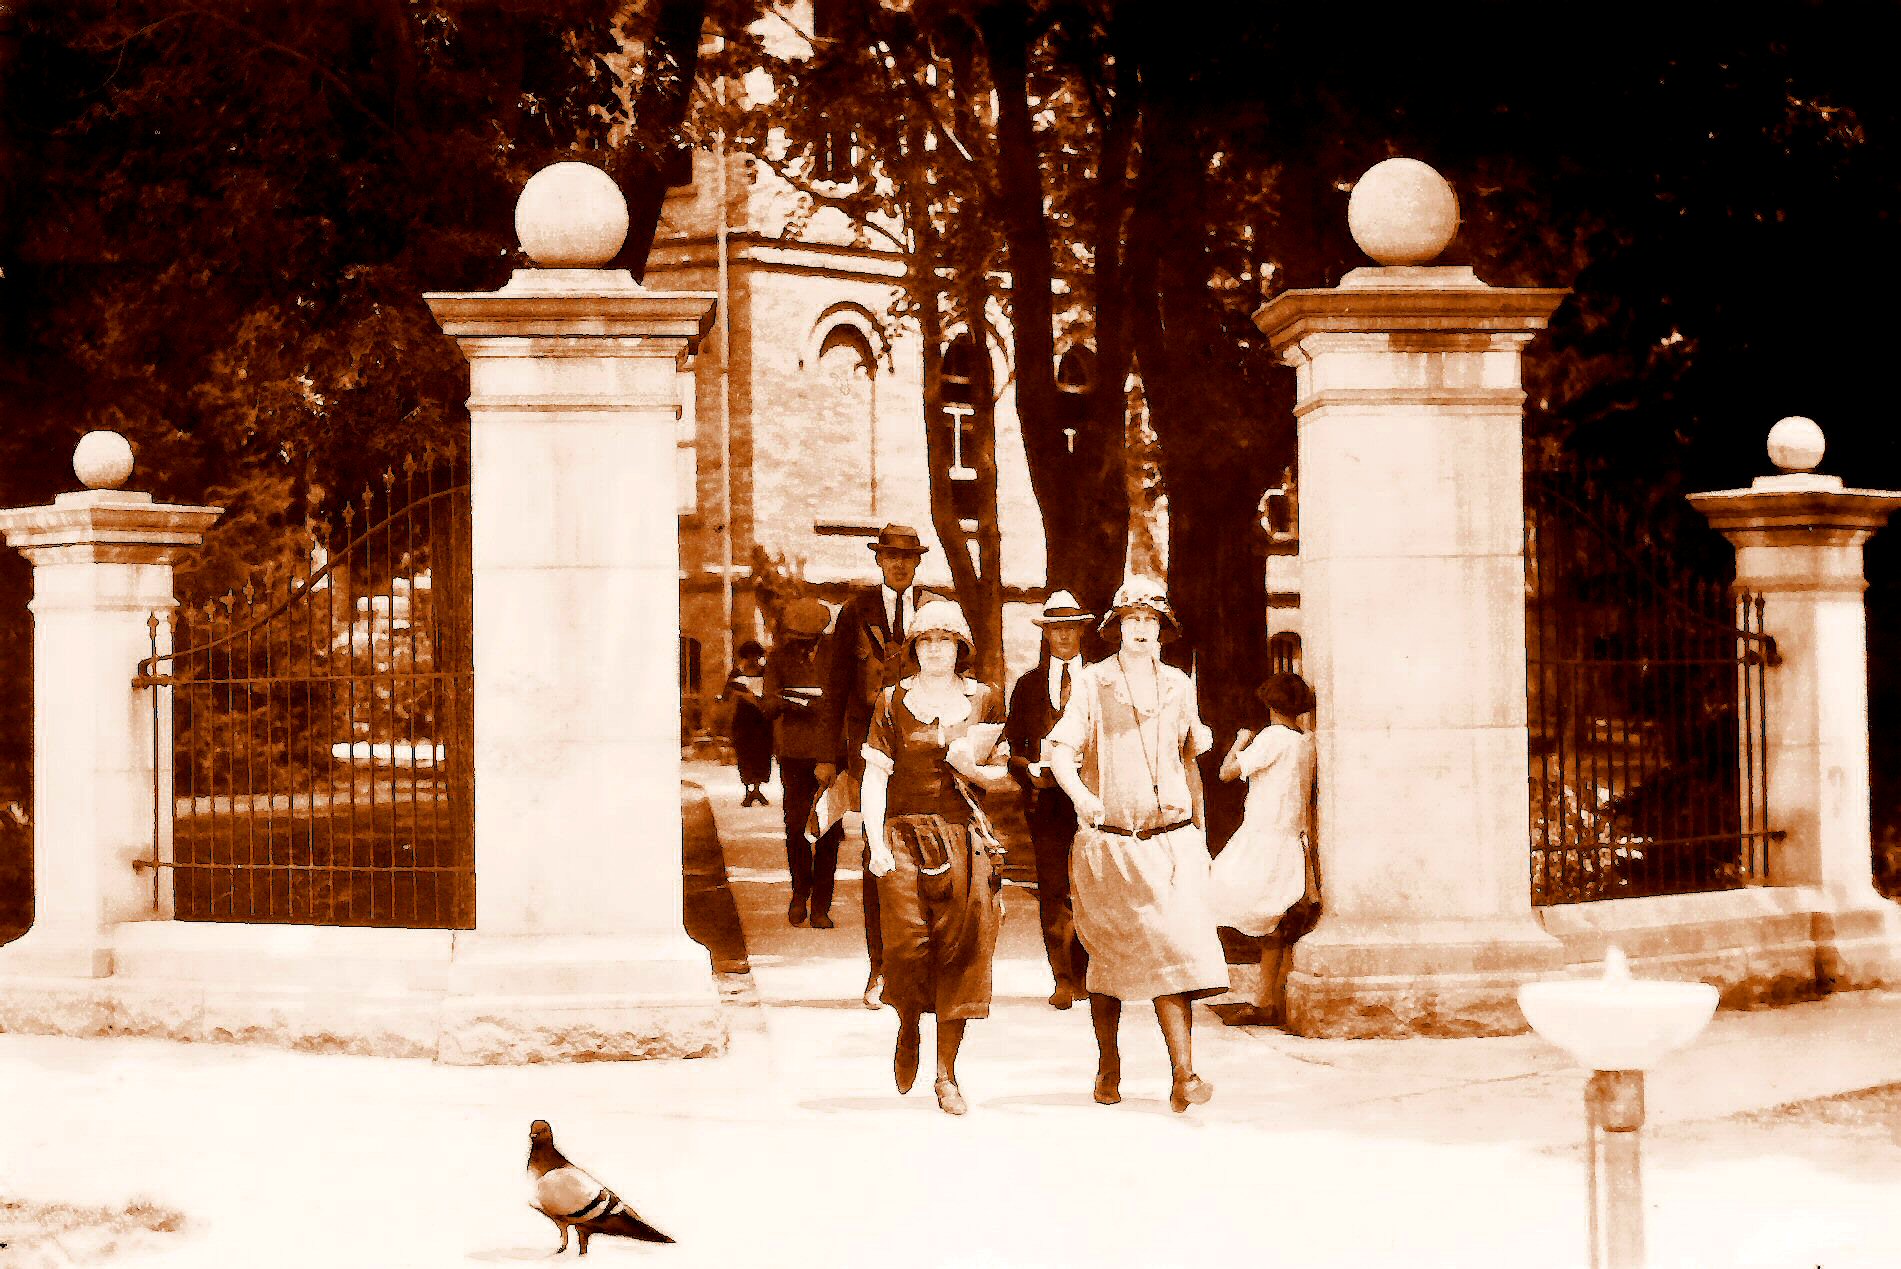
column 1410, row 427
column 102, row 566
column 1799, row 539
column 579, row 948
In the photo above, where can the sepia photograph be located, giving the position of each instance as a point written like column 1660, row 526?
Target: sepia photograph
column 949, row 633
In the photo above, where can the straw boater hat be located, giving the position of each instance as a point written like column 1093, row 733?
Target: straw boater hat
column 1061, row 609
column 1141, row 594
column 939, row 616
column 901, row 539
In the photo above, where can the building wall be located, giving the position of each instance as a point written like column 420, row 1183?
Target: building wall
column 824, row 449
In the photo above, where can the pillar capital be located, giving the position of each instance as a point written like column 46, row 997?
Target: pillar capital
column 605, row 307
column 106, row 526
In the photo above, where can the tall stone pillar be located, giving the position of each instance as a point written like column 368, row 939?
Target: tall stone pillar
column 579, row 948
column 102, row 566
column 1799, row 538
column 1410, row 426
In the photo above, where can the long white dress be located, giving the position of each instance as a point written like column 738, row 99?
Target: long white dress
column 1262, row 871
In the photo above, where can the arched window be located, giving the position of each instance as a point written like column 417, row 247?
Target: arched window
column 849, row 370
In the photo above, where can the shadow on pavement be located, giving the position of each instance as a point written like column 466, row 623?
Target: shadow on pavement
column 712, row 919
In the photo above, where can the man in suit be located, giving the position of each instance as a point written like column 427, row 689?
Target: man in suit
column 867, row 657
column 805, row 735
column 1036, row 702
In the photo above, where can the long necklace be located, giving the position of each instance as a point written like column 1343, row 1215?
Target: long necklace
column 1155, row 776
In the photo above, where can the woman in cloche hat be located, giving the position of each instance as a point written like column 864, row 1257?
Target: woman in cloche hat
column 1124, row 752
column 939, row 899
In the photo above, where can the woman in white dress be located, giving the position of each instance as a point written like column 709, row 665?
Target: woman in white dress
column 1124, row 752
column 1263, row 870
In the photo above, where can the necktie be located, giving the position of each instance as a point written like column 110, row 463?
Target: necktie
column 897, row 619
column 1062, row 689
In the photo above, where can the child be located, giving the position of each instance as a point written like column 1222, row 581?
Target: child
column 1267, row 867
column 752, row 730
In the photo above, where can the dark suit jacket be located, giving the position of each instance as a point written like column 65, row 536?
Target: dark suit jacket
column 864, row 662
column 808, row 732
column 1030, row 718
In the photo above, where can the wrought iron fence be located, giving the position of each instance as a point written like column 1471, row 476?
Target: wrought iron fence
column 320, row 765
column 1645, row 699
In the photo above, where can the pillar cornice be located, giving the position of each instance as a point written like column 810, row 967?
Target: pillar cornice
column 598, row 305
column 1429, row 302
column 106, row 526
column 1797, row 511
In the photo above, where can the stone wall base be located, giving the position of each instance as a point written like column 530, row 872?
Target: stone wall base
column 389, row 993
column 1452, row 978
column 1762, row 945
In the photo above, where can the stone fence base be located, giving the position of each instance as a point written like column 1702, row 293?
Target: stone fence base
column 1761, row 945
column 445, row 995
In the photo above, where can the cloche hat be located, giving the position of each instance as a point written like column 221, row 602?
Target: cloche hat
column 1142, row 594
column 939, row 616
column 1061, row 609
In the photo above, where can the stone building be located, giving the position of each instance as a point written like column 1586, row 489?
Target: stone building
column 806, row 432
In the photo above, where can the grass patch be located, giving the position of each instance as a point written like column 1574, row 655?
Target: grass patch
column 47, row 1234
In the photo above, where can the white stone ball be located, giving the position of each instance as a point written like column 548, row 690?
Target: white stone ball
column 1796, row 444
column 1402, row 212
column 102, row 460
column 571, row 216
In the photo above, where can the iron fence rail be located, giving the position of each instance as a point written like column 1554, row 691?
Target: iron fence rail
column 320, row 769
column 1646, row 706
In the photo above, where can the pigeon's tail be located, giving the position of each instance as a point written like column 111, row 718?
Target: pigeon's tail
column 628, row 1225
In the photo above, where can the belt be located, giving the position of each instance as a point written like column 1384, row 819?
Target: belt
column 1143, row 834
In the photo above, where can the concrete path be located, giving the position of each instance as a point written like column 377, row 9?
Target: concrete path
column 794, row 1149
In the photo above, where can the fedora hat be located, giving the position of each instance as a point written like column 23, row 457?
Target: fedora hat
column 1142, row 594
column 804, row 619
column 1061, row 609
column 900, row 538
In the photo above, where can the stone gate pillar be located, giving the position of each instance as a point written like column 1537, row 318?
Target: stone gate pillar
column 102, row 566
column 1799, row 538
column 579, row 948
column 1410, row 422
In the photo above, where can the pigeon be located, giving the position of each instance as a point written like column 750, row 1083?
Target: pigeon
column 572, row 1199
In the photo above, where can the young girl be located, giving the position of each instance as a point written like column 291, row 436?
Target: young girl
column 1266, row 868
column 752, row 729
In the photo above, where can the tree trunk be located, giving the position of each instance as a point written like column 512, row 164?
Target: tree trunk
column 659, row 108
column 1079, row 490
column 1223, row 440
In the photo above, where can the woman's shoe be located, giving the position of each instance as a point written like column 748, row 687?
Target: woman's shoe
column 1108, row 1090
column 904, row 1062
column 795, row 911
column 949, row 1099
column 822, row 921
column 1189, row 1090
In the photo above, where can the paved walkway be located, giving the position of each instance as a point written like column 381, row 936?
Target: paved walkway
column 794, row 1149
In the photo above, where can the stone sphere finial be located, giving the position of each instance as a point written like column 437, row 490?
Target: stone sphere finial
column 1796, row 444
column 571, row 216
column 102, row 460
column 1402, row 212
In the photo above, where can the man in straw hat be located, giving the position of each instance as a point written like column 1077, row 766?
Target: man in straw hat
column 1036, row 702
column 868, row 656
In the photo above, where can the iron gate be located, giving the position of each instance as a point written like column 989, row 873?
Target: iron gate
column 1645, row 702
column 320, row 769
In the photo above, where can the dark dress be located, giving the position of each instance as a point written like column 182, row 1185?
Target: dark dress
column 941, row 907
column 752, row 732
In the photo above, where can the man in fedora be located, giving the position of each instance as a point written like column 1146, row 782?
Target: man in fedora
column 1036, row 702
column 867, row 657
